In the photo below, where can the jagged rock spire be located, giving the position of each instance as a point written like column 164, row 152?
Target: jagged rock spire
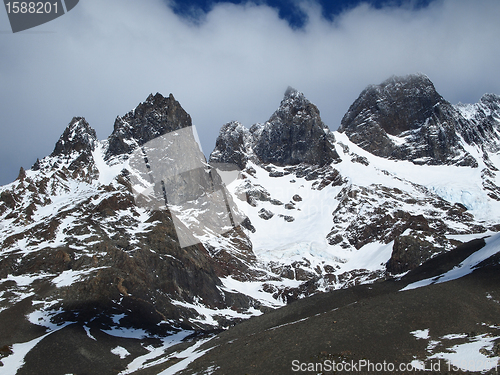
column 294, row 134
column 22, row 174
column 290, row 91
column 233, row 145
column 78, row 136
column 156, row 116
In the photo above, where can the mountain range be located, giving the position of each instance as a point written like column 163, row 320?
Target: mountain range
column 135, row 254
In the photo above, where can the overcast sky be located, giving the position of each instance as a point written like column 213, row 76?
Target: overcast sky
column 228, row 62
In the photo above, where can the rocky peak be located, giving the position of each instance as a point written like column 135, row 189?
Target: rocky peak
column 154, row 117
column 295, row 109
column 22, row 174
column 78, row 136
column 294, row 134
column 492, row 101
column 73, row 152
column 405, row 118
column 232, row 145
column 397, row 105
column 294, row 97
column 480, row 122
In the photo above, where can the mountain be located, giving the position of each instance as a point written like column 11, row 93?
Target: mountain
column 78, row 250
column 294, row 134
column 404, row 118
column 360, row 206
column 154, row 117
column 411, row 324
column 127, row 255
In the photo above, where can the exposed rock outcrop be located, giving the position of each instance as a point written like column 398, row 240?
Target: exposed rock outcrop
column 156, row 116
column 404, row 118
column 294, row 134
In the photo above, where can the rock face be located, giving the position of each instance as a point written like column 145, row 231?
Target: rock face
column 98, row 253
column 404, row 118
column 154, row 117
column 294, row 134
column 480, row 122
column 408, row 253
column 77, row 137
column 73, row 151
column 233, row 145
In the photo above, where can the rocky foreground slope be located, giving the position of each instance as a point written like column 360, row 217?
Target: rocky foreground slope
column 414, row 324
column 117, row 253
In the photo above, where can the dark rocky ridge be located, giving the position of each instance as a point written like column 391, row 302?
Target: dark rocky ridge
column 77, row 137
column 156, row 116
column 407, row 107
column 74, row 150
column 481, row 121
column 141, row 275
column 374, row 323
column 294, row 134
column 232, row 145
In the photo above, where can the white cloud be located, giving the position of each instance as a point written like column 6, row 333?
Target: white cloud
column 103, row 58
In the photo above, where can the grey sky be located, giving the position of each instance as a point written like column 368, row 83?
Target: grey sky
column 104, row 57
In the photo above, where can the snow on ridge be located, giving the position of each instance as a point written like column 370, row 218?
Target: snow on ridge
column 472, row 355
column 396, row 140
column 491, row 248
column 209, row 316
column 468, row 111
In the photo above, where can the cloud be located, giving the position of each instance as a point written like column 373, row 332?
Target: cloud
column 103, row 58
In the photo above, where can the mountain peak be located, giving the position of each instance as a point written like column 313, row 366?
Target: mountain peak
column 158, row 100
column 156, row 116
column 78, row 136
column 290, row 92
column 492, row 101
column 294, row 134
column 405, row 118
column 400, row 103
column 232, row 145
column 295, row 101
column 415, row 79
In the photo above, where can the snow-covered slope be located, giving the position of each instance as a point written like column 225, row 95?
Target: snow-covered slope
column 353, row 215
column 362, row 216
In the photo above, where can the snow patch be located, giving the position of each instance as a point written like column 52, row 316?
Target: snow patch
column 421, row 334
column 68, row 277
column 190, row 354
column 107, row 172
column 156, row 355
column 121, row 352
column 469, row 356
